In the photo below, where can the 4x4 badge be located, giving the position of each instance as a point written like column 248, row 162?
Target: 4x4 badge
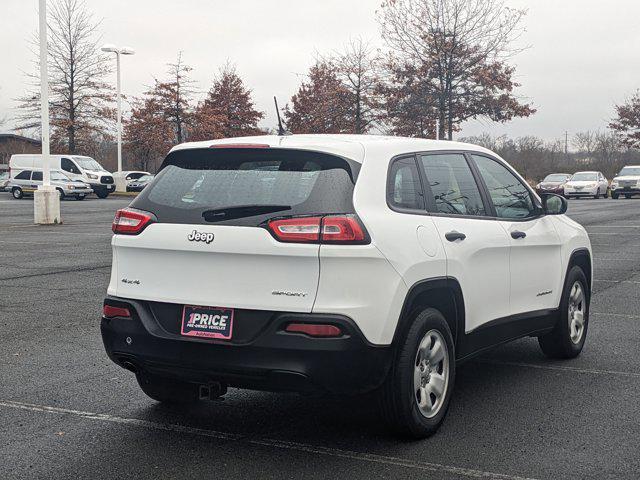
column 196, row 236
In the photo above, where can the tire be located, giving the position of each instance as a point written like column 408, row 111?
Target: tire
column 567, row 339
column 80, row 197
column 61, row 193
column 102, row 193
column 166, row 390
column 627, row 196
column 597, row 195
column 17, row 193
column 405, row 382
column 614, row 195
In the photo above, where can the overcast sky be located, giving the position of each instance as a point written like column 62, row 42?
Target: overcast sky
column 584, row 55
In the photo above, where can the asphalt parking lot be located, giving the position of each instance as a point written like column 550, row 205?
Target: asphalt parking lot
column 66, row 411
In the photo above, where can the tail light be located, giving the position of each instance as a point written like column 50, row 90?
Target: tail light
column 337, row 229
column 109, row 311
column 297, row 229
column 131, row 222
column 314, row 329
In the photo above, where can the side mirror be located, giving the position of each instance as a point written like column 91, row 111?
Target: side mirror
column 554, row 204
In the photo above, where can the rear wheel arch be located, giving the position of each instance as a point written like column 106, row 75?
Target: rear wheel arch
column 581, row 257
column 443, row 294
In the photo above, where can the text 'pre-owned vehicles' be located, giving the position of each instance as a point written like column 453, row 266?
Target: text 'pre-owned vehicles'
column 586, row 184
column 27, row 181
column 553, row 183
column 76, row 167
column 344, row 264
column 626, row 182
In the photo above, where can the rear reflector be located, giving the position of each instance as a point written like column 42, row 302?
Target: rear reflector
column 239, row 145
column 298, row 229
column 130, row 222
column 314, row 329
column 109, row 311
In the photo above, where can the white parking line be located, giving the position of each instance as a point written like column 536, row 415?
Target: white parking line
column 615, row 315
column 564, row 368
column 272, row 443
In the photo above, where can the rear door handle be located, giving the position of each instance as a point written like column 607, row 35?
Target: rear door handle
column 453, row 236
column 516, row 234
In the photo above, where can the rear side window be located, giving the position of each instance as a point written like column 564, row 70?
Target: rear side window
column 404, row 188
column 37, row 176
column 24, row 175
column 452, row 185
column 248, row 186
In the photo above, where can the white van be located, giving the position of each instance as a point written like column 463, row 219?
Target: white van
column 77, row 167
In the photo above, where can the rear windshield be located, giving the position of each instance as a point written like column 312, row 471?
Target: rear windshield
column 248, row 186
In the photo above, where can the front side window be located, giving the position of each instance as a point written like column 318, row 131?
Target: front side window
column 405, row 190
column 454, row 189
column 68, row 166
column 36, row 177
column 509, row 195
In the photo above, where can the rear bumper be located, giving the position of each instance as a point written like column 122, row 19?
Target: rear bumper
column 273, row 360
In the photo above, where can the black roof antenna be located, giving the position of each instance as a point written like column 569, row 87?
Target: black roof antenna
column 281, row 130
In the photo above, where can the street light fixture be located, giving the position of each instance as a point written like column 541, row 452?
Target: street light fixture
column 121, row 185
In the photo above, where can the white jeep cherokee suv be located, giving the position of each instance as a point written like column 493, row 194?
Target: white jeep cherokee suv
column 343, row 264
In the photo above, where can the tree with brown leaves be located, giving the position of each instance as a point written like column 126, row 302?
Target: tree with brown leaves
column 451, row 56
column 321, row 104
column 147, row 134
column 627, row 123
column 81, row 102
column 228, row 110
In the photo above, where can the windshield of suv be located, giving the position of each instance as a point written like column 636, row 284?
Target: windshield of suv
column 584, row 177
column 87, row 163
column 629, row 171
column 145, row 178
column 556, row 177
column 247, row 186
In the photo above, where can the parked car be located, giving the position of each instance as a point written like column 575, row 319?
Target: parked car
column 626, row 182
column 139, row 184
column 130, row 175
column 27, row 181
column 4, row 181
column 586, row 184
column 345, row 264
column 76, row 167
column 553, row 183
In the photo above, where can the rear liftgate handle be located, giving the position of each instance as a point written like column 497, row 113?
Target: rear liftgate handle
column 516, row 234
column 453, row 236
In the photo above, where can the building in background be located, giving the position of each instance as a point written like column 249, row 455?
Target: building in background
column 11, row 144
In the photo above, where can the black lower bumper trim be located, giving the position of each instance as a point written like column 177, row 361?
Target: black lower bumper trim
column 273, row 360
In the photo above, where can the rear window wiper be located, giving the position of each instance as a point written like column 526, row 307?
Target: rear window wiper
column 240, row 211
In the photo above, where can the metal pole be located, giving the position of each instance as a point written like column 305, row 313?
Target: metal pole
column 437, row 126
column 119, row 113
column 44, row 95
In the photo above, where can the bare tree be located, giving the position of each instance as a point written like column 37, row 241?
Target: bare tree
column 174, row 97
column 585, row 142
column 357, row 68
column 80, row 99
column 455, row 51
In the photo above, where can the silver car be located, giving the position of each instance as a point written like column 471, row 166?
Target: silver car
column 27, row 181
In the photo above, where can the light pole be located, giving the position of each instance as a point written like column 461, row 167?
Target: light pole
column 46, row 204
column 121, row 184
